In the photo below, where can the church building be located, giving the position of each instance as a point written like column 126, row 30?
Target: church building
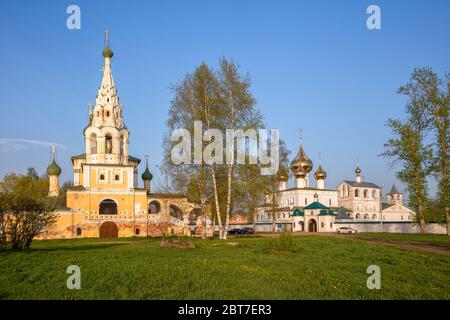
column 315, row 208
column 105, row 200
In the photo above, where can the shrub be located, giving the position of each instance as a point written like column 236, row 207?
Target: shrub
column 285, row 242
column 22, row 218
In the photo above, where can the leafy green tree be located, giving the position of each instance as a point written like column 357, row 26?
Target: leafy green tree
column 220, row 100
column 409, row 147
column 434, row 93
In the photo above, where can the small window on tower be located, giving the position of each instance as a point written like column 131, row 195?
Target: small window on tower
column 137, row 231
column 79, row 231
column 117, row 177
column 107, row 99
column 102, row 177
column 107, row 112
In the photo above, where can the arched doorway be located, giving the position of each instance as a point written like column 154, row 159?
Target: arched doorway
column 109, row 229
column 312, row 226
column 108, row 206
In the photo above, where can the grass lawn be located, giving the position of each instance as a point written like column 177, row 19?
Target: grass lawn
column 321, row 268
column 434, row 239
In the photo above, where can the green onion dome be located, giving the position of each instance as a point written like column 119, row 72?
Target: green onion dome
column 107, row 53
column 53, row 169
column 147, row 175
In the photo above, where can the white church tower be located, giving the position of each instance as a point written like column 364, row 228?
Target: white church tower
column 106, row 136
column 394, row 197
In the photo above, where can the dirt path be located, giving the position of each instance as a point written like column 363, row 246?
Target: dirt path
column 411, row 245
column 398, row 244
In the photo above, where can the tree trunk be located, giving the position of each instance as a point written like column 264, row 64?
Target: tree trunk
column 254, row 225
column 421, row 220
column 227, row 213
column 216, row 201
column 447, row 215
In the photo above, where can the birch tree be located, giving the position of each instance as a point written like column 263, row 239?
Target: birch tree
column 408, row 147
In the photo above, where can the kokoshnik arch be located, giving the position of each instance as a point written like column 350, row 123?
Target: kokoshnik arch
column 105, row 200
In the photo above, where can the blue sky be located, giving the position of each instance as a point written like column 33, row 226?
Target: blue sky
column 314, row 65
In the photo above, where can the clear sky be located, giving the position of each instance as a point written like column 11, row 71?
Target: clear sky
column 314, row 65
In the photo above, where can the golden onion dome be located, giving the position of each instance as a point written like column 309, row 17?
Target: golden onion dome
column 297, row 169
column 358, row 170
column 320, row 173
column 301, row 160
column 283, row 174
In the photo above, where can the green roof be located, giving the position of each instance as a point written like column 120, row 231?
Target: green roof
column 326, row 212
column 315, row 205
column 298, row 213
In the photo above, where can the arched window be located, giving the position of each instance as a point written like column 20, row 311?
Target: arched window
column 374, row 217
column 108, row 144
column 108, row 206
column 175, row 212
column 366, row 216
column 154, row 207
column 366, row 193
column 357, row 216
column 79, row 231
column 306, row 201
column 356, row 193
column 93, row 143
column 374, row 194
column 329, row 202
column 137, row 231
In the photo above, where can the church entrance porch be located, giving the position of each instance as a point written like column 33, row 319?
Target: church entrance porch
column 109, row 229
column 312, row 226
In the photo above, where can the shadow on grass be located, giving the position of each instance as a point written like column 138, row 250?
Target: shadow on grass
column 83, row 247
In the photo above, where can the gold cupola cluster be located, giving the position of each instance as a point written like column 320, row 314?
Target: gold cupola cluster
column 301, row 165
